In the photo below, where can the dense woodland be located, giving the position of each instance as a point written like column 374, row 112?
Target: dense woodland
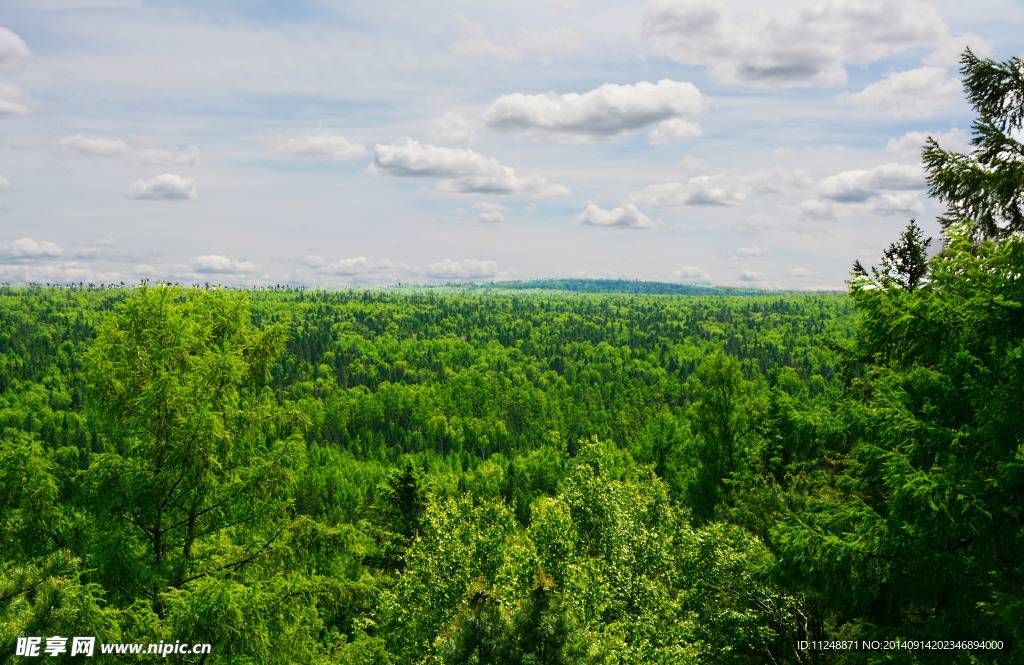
column 561, row 472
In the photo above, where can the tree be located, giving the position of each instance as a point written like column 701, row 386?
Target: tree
column 918, row 531
column 904, row 263
column 985, row 189
column 719, row 417
column 190, row 498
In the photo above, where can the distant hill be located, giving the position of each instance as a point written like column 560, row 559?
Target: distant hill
column 617, row 286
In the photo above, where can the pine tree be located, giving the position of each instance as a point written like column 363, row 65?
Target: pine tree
column 985, row 189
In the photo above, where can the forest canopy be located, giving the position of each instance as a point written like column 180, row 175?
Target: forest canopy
column 529, row 475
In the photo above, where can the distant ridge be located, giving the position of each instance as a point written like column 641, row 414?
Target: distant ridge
column 617, row 286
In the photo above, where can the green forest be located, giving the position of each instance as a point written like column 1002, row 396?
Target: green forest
column 539, row 472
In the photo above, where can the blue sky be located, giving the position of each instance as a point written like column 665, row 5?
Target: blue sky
column 343, row 144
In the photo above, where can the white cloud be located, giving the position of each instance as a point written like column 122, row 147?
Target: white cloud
column 217, row 263
column 858, row 186
column 627, row 216
column 791, row 44
column 492, row 217
column 465, row 269
column 675, row 129
column 4, row 182
column 105, row 242
column 911, row 94
column 93, row 145
column 13, row 50
column 451, row 128
column 14, row 100
column 168, row 186
column 601, row 114
column 799, row 273
column 408, row 158
column 356, row 266
column 702, row 190
column 751, row 276
column 951, row 49
column 749, row 252
column 692, row 275
column 27, row 248
column 146, row 151
column 910, row 145
column 462, row 171
column 508, row 184
column 321, row 144
column 315, row 261
column 489, row 206
column 720, row 190
column 891, row 203
column 361, row 265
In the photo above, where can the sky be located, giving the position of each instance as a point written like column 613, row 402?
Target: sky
column 336, row 144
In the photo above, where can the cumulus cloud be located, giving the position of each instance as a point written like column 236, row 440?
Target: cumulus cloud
column 675, row 129
column 168, row 186
column 465, row 269
column 890, row 203
column 692, row 275
column 884, row 190
column 748, row 252
column 4, row 182
column 490, row 206
column 799, row 273
column 911, row 94
column 601, row 114
column 858, row 186
column 751, row 276
column 408, row 158
column 627, row 216
column 791, row 44
column 217, row 263
column 720, row 190
column 361, row 265
column 461, row 171
column 321, row 144
column 13, row 50
column 910, row 145
column 355, row 266
column 14, row 100
column 702, row 190
column 93, row 145
column 451, row 128
column 144, row 150
column 27, row 248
